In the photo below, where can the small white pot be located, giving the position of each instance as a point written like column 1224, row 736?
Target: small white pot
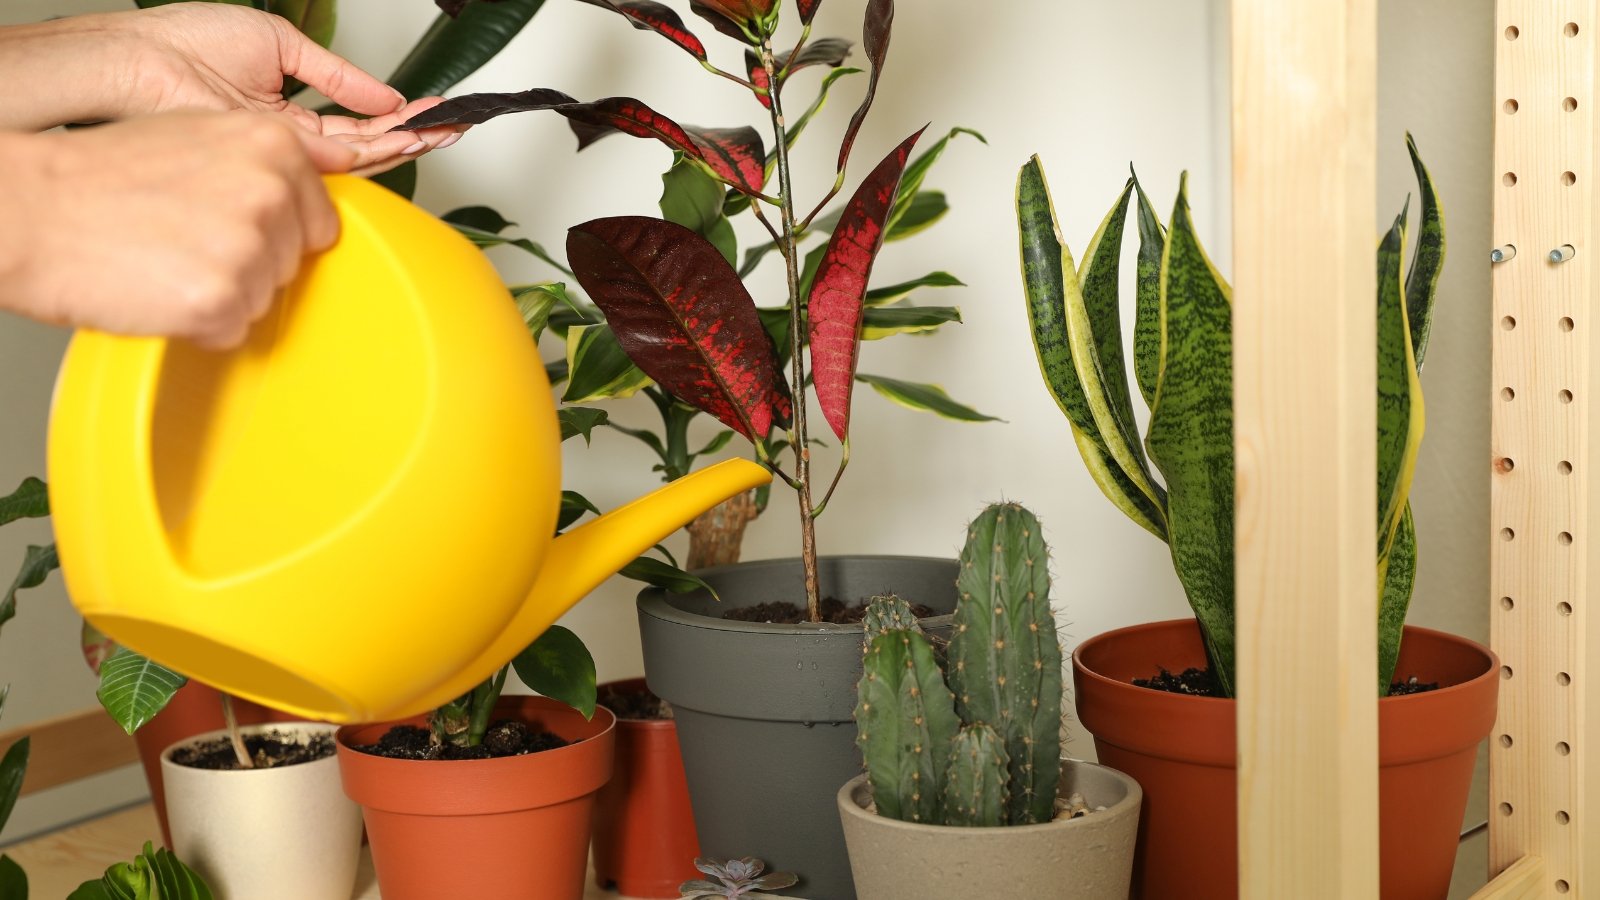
column 265, row 834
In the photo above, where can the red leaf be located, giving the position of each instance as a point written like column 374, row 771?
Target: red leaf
column 875, row 39
column 807, row 9
column 830, row 52
column 647, row 15
column 729, row 15
column 758, row 77
column 841, row 283
column 683, row 316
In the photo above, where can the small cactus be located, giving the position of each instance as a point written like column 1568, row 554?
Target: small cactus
column 905, row 720
column 887, row 613
column 975, row 792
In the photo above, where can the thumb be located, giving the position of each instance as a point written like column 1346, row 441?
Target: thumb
column 328, row 156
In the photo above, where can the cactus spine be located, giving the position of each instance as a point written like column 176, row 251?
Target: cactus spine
column 905, row 721
column 975, row 791
column 1005, row 663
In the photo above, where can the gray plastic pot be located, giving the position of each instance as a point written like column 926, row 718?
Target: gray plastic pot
column 1088, row 858
column 764, row 712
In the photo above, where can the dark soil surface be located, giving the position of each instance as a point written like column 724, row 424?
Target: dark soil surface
column 268, row 750
column 1199, row 683
column 638, row 705
column 833, row 610
column 502, row 739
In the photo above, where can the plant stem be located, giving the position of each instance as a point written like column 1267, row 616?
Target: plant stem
column 234, row 737
column 791, row 255
column 483, row 700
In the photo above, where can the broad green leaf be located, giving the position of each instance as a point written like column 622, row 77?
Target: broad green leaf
column 401, row 179
column 313, row 18
column 535, row 303
column 597, row 367
column 37, row 564
column 926, row 208
column 1398, row 579
column 1191, row 432
column 894, row 293
column 692, row 198
column 13, row 881
column 1147, row 317
column 452, row 49
column 576, row 420
column 488, row 239
column 559, row 666
column 93, row 890
column 31, row 500
column 1050, row 280
column 134, row 689
column 1400, row 410
column 482, row 218
column 917, row 172
column 13, row 767
column 882, row 322
column 1422, row 281
column 573, row 507
column 656, row 573
column 927, row 397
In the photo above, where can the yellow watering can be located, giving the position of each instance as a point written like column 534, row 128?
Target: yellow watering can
column 349, row 517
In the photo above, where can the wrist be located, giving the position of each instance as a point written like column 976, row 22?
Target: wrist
column 74, row 70
column 23, row 169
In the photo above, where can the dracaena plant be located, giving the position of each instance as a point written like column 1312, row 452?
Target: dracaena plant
column 673, row 301
column 1183, row 369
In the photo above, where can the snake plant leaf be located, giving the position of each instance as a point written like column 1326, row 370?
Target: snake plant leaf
column 560, row 667
column 1050, row 279
column 875, row 31
column 37, row 564
column 31, row 500
column 133, row 688
column 1400, row 409
column 1422, row 281
column 894, row 293
column 598, row 368
column 926, row 397
column 840, row 284
column 682, row 315
column 13, row 881
column 1190, row 436
column 1094, row 336
column 925, row 209
column 576, row 420
column 881, row 322
column 1399, row 578
column 649, row 16
column 692, row 198
column 453, row 48
column 917, row 172
column 1147, row 316
column 13, row 767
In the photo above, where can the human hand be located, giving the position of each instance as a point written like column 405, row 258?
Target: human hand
column 180, row 225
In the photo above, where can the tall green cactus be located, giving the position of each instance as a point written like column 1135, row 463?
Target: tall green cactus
column 1005, row 664
column 887, row 613
column 905, row 720
column 975, row 793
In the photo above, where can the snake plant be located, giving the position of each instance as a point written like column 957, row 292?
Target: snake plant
column 1183, row 369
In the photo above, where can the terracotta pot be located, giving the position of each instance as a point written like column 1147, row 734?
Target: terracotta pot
column 195, row 709
column 1088, row 858
column 511, row 827
column 1182, row 751
column 644, row 838
column 264, row 834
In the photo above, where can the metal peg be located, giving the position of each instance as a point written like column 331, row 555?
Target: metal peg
column 1562, row 253
column 1502, row 254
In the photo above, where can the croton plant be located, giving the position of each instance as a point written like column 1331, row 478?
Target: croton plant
column 675, row 307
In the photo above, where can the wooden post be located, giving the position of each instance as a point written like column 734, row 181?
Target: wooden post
column 1544, row 757
column 1305, row 235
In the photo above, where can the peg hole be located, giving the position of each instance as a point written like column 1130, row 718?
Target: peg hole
column 1565, row 396
column 1508, row 394
column 1564, row 538
column 1509, row 179
column 1507, row 604
column 1569, row 178
column 1505, row 740
column 1565, row 323
column 1505, row 673
column 1508, row 323
column 1564, row 467
column 1561, row 886
column 1571, row 30
column 1563, row 748
column 1562, row 817
column 1512, row 32
column 1510, row 106
column 1505, row 464
column 1563, row 679
column 1507, row 534
column 1564, row 608
column 1505, row 809
column 1569, row 104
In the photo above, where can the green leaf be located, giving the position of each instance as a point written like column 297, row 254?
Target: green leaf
column 1191, row 432
column 648, row 438
column 821, row 100
column 921, row 213
column 559, row 666
column 452, row 49
column 1147, row 321
column 13, row 766
column 573, row 507
column 177, row 881
column 1422, row 281
column 928, row 397
column 401, row 179
column 917, row 172
column 313, row 18
column 481, row 218
column 1050, row 280
column 692, row 198
column 716, row 443
column 896, row 292
column 1400, row 412
column 13, row 881
column 93, row 890
column 535, row 303
column 37, row 564
column 668, row 577
column 489, row 239
column 1398, row 579
column 31, row 500
column 134, row 689
column 576, row 420
column 598, row 369
column 882, row 322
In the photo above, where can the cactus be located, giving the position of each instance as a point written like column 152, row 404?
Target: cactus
column 905, row 720
column 887, row 613
column 975, row 792
column 1005, row 662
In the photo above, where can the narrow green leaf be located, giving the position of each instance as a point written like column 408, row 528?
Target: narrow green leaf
column 882, row 322
column 927, row 397
column 821, row 100
column 896, row 292
column 37, row 564
column 1191, row 432
column 573, row 507
column 716, row 443
column 534, row 304
column 13, row 881
column 926, row 208
column 1115, row 485
column 559, row 666
column 597, row 367
column 648, row 438
column 1400, row 411
column 1422, row 281
column 1398, row 580
column 576, row 420
column 134, row 689
column 13, row 766
column 488, row 239
column 452, row 49
column 1147, row 318
column 663, row 575
column 916, row 173
column 482, row 218
column 31, row 500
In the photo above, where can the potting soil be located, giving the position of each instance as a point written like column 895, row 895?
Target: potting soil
column 1199, row 683
column 832, row 609
column 268, row 750
column 504, row 738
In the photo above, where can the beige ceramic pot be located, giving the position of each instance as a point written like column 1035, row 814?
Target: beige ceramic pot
column 265, row 834
column 1088, row 858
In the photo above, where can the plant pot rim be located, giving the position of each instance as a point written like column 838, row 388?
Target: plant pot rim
column 342, row 738
column 852, row 806
column 1491, row 660
column 635, row 685
column 659, row 603
column 297, row 726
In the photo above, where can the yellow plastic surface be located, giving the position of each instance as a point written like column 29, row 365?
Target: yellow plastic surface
column 348, row 518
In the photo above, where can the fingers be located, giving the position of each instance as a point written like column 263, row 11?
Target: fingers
column 337, row 79
column 330, row 156
column 379, row 124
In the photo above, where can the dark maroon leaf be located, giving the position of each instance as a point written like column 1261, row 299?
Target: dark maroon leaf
column 729, row 15
column 830, row 52
column 841, row 283
column 807, row 9
column 875, row 39
column 683, row 316
column 650, row 16
column 475, row 109
column 453, row 8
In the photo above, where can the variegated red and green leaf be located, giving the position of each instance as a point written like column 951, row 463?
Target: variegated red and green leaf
column 841, row 284
column 875, row 40
column 807, row 10
column 683, row 316
column 758, row 77
column 830, row 52
column 647, row 15
column 738, row 19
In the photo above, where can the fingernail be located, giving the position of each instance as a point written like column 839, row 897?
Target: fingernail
column 448, row 141
column 399, row 101
column 418, row 147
